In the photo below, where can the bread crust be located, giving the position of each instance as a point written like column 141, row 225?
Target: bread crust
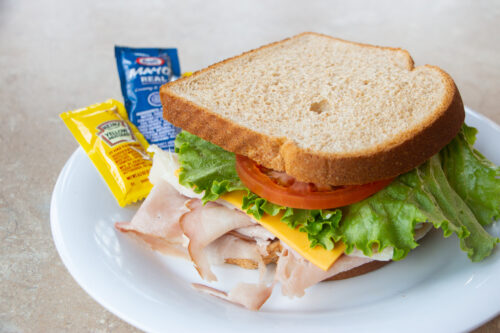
column 402, row 154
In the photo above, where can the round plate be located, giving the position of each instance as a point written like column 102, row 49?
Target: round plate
column 436, row 288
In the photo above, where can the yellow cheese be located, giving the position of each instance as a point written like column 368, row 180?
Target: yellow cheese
column 292, row 237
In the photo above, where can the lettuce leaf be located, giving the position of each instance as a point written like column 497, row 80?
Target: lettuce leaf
column 206, row 167
column 457, row 190
column 472, row 176
column 457, row 200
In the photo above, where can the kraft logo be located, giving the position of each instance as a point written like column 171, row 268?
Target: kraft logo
column 150, row 61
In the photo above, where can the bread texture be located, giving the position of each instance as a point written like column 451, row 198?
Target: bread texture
column 321, row 109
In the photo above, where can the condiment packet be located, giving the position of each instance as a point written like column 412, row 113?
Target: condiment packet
column 115, row 146
column 142, row 71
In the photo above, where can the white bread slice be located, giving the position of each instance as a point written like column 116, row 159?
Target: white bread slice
column 321, row 109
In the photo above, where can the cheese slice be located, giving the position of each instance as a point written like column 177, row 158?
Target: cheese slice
column 294, row 238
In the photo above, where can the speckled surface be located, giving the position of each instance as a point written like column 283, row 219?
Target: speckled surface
column 58, row 55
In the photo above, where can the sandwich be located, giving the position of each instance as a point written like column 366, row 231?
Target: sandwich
column 326, row 158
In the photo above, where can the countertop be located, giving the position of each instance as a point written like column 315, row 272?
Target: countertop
column 58, row 55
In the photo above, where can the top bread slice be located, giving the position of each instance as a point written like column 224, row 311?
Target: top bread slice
column 321, row 109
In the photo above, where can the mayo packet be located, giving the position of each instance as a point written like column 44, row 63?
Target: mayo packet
column 115, row 146
column 142, row 71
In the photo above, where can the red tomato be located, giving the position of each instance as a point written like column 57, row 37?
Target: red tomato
column 284, row 190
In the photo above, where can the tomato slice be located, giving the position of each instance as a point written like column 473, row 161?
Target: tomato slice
column 295, row 194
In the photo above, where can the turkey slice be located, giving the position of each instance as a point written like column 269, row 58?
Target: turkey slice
column 297, row 274
column 235, row 248
column 157, row 220
column 251, row 296
column 203, row 225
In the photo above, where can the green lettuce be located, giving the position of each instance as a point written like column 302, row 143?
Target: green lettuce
column 472, row 176
column 389, row 217
column 457, row 190
column 206, row 167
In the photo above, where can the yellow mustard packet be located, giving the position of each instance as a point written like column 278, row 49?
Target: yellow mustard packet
column 115, row 146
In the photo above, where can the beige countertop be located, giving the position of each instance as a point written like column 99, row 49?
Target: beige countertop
column 58, row 55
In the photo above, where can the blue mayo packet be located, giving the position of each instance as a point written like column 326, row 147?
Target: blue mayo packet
column 142, row 72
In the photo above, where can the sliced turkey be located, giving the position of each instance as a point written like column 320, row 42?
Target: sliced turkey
column 157, row 220
column 297, row 274
column 251, row 296
column 203, row 225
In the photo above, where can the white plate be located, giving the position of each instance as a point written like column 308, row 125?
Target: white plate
column 435, row 289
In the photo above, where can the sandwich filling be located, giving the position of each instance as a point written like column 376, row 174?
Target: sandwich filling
column 457, row 191
column 192, row 212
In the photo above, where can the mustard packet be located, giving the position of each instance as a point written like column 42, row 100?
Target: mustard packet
column 115, row 146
